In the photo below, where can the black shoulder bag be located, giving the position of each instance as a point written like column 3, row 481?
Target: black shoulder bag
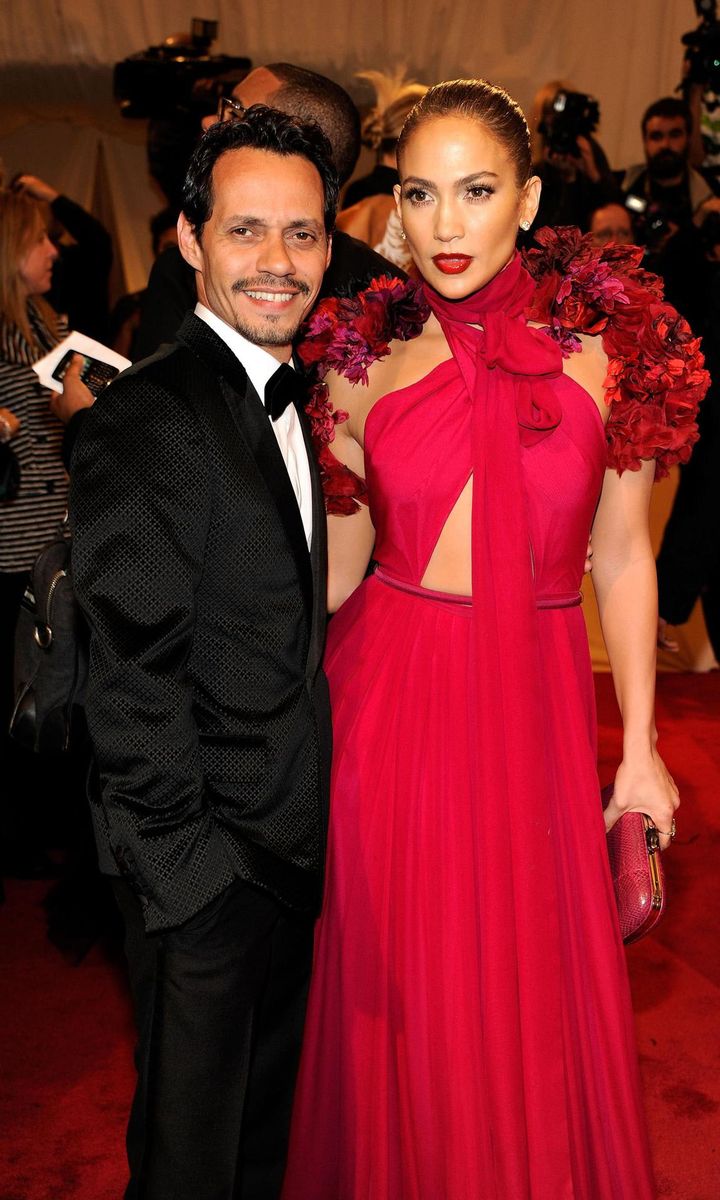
column 51, row 655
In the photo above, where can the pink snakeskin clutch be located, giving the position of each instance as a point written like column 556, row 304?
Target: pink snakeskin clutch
column 637, row 872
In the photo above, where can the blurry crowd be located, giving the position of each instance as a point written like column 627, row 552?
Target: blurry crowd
column 55, row 265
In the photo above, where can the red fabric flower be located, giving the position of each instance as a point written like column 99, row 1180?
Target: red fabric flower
column 347, row 335
column 656, row 377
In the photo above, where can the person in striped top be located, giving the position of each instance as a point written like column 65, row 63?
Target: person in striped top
column 29, row 328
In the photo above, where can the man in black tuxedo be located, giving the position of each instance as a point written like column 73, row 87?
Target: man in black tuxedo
column 199, row 561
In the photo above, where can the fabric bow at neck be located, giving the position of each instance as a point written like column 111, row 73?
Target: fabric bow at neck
column 505, row 342
column 285, row 386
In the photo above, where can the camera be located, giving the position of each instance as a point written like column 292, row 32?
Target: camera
column 572, row 115
column 177, row 78
column 649, row 225
column 703, row 48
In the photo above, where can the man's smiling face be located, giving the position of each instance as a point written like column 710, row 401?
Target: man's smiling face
column 262, row 253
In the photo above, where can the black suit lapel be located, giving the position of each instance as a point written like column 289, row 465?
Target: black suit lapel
column 252, row 421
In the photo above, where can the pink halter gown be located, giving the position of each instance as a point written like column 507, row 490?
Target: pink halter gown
column 469, row 1032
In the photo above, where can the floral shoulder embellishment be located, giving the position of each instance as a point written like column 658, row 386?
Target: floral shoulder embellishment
column 347, row 335
column 656, row 377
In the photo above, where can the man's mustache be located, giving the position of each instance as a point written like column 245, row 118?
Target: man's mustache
column 271, row 283
column 666, row 163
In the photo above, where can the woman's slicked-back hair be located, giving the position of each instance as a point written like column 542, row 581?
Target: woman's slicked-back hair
column 478, row 101
column 261, row 128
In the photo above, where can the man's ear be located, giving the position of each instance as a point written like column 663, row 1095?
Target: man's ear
column 189, row 243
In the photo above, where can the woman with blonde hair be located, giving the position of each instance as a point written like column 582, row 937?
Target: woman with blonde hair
column 369, row 212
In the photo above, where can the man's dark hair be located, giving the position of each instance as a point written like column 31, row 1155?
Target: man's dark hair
column 313, row 97
column 261, row 128
column 669, row 108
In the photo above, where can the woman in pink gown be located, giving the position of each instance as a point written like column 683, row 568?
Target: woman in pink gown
column 469, row 1032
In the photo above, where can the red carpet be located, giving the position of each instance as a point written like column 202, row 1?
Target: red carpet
column 65, row 1031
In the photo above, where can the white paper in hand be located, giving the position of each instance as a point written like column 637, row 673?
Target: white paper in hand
column 77, row 343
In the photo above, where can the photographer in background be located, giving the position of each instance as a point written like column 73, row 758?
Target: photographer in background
column 571, row 163
column 671, row 201
column 611, row 223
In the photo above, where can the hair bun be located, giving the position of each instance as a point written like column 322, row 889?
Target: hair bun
column 395, row 96
column 371, row 129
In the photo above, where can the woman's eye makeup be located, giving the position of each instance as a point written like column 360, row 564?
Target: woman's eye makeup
column 474, row 192
column 416, row 195
column 480, row 191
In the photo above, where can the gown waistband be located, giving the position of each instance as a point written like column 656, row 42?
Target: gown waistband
column 556, row 600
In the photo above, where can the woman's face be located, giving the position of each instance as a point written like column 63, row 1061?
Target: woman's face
column 37, row 263
column 460, row 204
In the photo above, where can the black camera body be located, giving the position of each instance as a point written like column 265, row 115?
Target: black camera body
column 573, row 115
column 170, row 80
column 650, row 227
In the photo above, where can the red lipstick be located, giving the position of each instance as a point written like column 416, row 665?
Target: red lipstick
column 452, row 264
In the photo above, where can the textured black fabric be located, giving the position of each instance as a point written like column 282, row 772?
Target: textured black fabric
column 205, row 704
column 219, row 1006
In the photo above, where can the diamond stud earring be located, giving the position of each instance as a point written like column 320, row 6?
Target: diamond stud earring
column 525, row 225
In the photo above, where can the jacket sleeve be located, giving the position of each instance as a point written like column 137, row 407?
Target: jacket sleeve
column 140, row 510
column 89, row 233
column 170, row 293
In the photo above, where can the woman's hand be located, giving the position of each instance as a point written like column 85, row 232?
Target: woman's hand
column 664, row 641
column 644, row 784
column 37, row 188
column 75, row 394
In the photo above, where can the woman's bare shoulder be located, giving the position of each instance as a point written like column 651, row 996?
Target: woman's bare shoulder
column 405, row 363
column 588, row 367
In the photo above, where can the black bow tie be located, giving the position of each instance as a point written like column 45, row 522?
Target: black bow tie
column 284, row 387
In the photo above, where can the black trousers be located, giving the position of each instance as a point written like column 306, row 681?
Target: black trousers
column 688, row 564
column 220, row 1006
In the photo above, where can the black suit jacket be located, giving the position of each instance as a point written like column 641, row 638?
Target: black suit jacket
column 206, row 702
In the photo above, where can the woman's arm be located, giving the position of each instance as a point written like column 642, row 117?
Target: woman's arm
column 350, row 538
column 626, row 588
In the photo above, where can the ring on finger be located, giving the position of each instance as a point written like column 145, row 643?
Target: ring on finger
column 671, row 833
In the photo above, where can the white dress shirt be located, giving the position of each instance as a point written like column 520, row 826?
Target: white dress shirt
column 260, row 365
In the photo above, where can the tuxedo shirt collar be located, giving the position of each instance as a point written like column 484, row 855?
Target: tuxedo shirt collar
column 259, row 364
